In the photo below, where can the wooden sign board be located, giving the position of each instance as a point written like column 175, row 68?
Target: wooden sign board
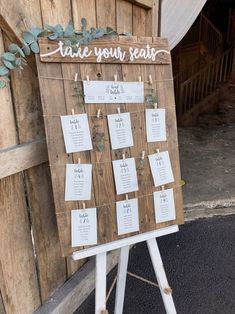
column 109, row 50
column 56, row 77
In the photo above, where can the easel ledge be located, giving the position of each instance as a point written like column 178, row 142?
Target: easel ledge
column 124, row 242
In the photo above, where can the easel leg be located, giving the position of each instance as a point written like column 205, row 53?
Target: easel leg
column 100, row 289
column 121, row 279
column 161, row 276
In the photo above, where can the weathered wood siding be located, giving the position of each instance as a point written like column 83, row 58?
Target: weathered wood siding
column 31, row 266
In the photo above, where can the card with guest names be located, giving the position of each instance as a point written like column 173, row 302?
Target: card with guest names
column 155, row 125
column 78, row 182
column 120, row 130
column 161, row 169
column 164, row 205
column 127, row 216
column 76, row 133
column 83, row 227
column 125, row 175
column 113, row 92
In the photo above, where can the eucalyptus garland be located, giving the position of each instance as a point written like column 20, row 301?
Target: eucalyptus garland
column 15, row 56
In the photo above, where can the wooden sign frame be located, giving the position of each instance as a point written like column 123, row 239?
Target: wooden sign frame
column 56, row 78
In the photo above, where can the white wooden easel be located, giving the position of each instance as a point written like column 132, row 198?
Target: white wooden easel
column 124, row 245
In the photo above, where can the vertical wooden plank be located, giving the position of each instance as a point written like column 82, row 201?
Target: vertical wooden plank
column 139, row 21
column 105, row 13
column 2, row 310
column 153, row 23
column 18, row 280
column 30, row 125
column 124, row 16
column 80, row 9
column 55, row 12
column 84, row 8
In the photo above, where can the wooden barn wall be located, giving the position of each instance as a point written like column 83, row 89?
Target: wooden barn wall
column 31, row 266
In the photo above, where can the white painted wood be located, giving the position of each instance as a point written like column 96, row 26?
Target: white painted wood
column 177, row 16
column 161, row 276
column 124, row 242
column 100, row 287
column 121, row 279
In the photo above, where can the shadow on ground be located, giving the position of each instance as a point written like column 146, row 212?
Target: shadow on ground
column 200, row 266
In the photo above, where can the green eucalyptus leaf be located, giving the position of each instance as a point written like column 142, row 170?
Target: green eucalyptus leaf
column 36, row 31
column 34, row 47
column 53, row 36
column 49, row 28
column 58, row 29
column 18, row 62
column 26, row 48
column 8, row 56
column 84, row 22
column 28, row 37
column 2, row 83
column 3, row 70
column 100, row 147
column 99, row 33
column 14, row 48
column 69, row 30
column 8, row 64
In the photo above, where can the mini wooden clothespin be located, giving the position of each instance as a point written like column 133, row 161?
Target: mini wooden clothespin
column 98, row 113
column 72, row 111
column 158, row 151
column 163, row 187
column 139, row 79
column 150, row 79
column 127, row 198
column 115, row 77
column 88, row 79
column 143, row 154
column 155, row 105
column 118, row 110
column 79, row 160
column 123, row 156
column 76, row 77
column 83, row 206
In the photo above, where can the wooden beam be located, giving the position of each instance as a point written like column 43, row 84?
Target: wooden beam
column 74, row 292
column 21, row 157
column 147, row 4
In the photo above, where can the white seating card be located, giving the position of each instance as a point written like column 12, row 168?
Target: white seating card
column 164, row 205
column 113, row 92
column 125, row 175
column 161, row 168
column 83, row 227
column 76, row 133
column 78, row 182
column 120, row 130
column 156, row 125
column 127, row 216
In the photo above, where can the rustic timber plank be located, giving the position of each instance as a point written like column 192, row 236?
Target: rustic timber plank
column 18, row 278
column 139, row 21
column 2, row 309
column 52, row 51
column 105, row 13
column 124, row 16
column 147, row 4
column 55, row 12
column 84, row 8
column 21, row 157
